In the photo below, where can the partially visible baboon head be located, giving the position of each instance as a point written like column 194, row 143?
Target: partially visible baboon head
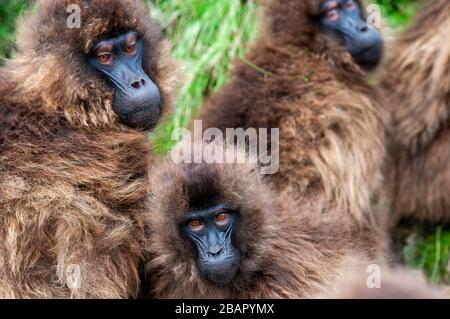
column 393, row 284
column 325, row 26
column 97, row 62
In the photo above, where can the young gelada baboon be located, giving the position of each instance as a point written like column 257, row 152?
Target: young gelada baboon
column 219, row 231
column 416, row 81
column 75, row 103
column 306, row 76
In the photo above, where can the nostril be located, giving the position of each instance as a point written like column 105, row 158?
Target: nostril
column 215, row 253
column 136, row 85
column 364, row 29
column 143, row 82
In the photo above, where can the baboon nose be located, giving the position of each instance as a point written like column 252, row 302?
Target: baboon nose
column 138, row 84
column 215, row 251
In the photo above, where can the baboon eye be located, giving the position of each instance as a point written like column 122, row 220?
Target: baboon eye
column 349, row 5
column 332, row 14
column 105, row 58
column 222, row 218
column 196, row 225
column 130, row 44
column 131, row 48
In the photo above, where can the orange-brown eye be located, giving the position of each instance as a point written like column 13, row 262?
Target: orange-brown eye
column 349, row 5
column 222, row 218
column 196, row 224
column 131, row 48
column 332, row 15
column 105, row 58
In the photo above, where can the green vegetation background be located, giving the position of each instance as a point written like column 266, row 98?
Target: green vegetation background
column 207, row 36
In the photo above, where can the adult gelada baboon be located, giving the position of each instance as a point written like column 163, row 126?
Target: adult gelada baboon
column 306, row 76
column 74, row 107
column 219, row 231
column 416, row 81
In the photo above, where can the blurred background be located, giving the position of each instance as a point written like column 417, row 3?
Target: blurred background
column 207, row 35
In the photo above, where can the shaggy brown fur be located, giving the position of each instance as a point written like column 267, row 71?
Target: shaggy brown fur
column 394, row 284
column 416, row 81
column 331, row 123
column 73, row 180
column 285, row 252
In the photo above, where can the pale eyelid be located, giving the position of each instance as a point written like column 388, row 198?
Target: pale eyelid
column 332, row 15
column 197, row 229
column 223, row 223
column 104, row 48
column 99, row 54
column 131, row 40
column 131, row 43
column 349, row 5
column 332, row 5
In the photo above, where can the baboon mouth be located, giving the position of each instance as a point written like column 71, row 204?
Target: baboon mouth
column 140, row 110
column 221, row 277
column 144, row 118
column 366, row 57
column 220, row 273
column 367, row 50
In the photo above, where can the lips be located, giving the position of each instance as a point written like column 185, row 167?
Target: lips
column 146, row 117
column 369, row 57
column 365, row 51
column 221, row 274
column 142, row 112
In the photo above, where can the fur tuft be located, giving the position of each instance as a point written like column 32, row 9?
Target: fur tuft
column 416, row 81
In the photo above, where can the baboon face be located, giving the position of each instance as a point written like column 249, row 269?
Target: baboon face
column 101, row 63
column 136, row 97
column 325, row 27
column 211, row 232
column 344, row 20
column 210, row 220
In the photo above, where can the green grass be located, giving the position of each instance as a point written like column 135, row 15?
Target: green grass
column 429, row 250
column 399, row 12
column 9, row 10
column 207, row 35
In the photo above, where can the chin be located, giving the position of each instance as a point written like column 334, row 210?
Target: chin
column 143, row 120
column 369, row 58
column 222, row 279
column 221, row 274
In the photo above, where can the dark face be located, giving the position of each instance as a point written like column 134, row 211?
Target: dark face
column 137, row 100
column 211, row 232
column 344, row 19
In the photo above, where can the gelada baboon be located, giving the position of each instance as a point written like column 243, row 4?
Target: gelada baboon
column 306, row 76
column 416, row 81
column 219, row 231
column 74, row 107
column 391, row 284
